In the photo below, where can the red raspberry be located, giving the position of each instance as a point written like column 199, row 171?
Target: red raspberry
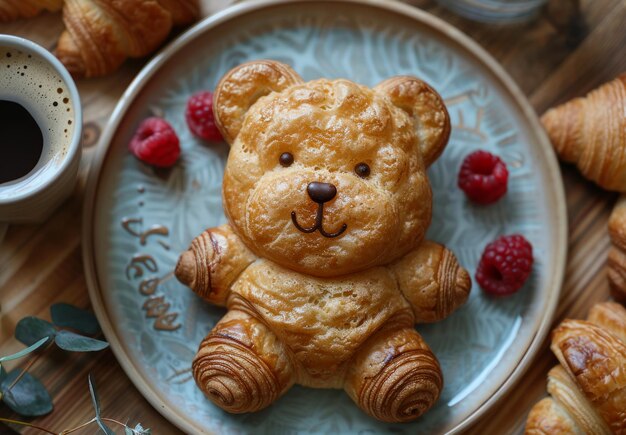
column 483, row 177
column 505, row 265
column 199, row 116
column 155, row 143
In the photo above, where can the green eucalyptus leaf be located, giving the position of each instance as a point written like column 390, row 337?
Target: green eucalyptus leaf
column 96, row 406
column 69, row 316
column 140, row 430
column 33, row 347
column 106, row 429
column 137, row 430
column 28, row 397
column 31, row 329
column 67, row 340
column 94, row 396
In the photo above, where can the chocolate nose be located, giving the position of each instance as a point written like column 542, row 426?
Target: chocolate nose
column 321, row 192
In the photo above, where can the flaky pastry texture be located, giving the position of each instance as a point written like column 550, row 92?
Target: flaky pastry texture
column 14, row 9
column 101, row 34
column 588, row 388
column 617, row 253
column 323, row 265
column 590, row 131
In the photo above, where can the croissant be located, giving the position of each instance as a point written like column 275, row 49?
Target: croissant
column 13, row 9
column 617, row 253
column 101, row 34
column 323, row 265
column 588, row 388
column 591, row 132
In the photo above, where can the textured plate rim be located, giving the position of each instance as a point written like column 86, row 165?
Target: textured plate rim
column 437, row 25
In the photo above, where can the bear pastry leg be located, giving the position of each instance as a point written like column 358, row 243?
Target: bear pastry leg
column 394, row 376
column 241, row 365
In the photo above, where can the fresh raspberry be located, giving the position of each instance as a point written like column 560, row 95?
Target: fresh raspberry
column 505, row 265
column 483, row 177
column 155, row 142
column 199, row 116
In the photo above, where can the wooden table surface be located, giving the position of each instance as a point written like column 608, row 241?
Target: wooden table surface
column 556, row 57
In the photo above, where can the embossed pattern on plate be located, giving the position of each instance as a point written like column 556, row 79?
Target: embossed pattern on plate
column 142, row 218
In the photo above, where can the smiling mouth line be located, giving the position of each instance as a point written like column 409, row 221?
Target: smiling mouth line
column 318, row 224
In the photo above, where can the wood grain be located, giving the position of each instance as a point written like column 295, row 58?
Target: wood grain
column 552, row 59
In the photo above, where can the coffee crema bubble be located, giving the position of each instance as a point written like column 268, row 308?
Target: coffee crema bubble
column 28, row 80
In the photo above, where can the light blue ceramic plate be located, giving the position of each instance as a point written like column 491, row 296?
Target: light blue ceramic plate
column 137, row 220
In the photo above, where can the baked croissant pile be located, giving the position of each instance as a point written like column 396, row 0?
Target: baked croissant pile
column 617, row 254
column 14, row 9
column 588, row 388
column 591, row 132
column 101, row 34
column 323, row 266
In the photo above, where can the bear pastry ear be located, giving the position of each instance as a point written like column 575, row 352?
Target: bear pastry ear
column 425, row 106
column 242, row 86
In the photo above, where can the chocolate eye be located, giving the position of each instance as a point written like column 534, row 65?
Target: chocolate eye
column 362, row 170
column 286, row 159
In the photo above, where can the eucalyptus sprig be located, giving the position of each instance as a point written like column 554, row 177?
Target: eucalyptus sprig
column 24, row 393
column 97, row 419
column 72, row 329
column 17, row 397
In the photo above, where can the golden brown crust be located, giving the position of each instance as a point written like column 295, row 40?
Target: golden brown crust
column 617, row 274
column 101, row 34
column 432, row 281
column 590, row 384
column 14, row 9
column 617, row 223
column 214, row 260
column 572, row 400
column 547, row 417
column 329, row 126
column 182, row 11
column 617, row 254
column 69, row 54
column 333, row 316
column 426, row 108
column 241, row 365
column 610, row 316
column 242, row 86
column 394, row 377
column 591, row 132
column 595, row 359
column 320, row 306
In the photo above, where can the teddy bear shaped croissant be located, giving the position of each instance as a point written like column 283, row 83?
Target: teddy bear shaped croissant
column 323, row 266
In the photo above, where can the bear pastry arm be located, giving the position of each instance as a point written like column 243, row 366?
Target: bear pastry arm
column 433, row 282
column 213, row 262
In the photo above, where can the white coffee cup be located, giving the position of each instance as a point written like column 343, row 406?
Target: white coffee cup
column 32, row 77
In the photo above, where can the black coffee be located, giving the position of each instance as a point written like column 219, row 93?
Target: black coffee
column 21, row 141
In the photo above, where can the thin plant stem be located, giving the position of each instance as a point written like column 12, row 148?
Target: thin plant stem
column 87, row 423
column 23, row 372
column 28, row 366
column 110, row 420
column 23, row 423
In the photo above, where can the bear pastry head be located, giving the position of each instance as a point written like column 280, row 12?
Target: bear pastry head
column 328, row 177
